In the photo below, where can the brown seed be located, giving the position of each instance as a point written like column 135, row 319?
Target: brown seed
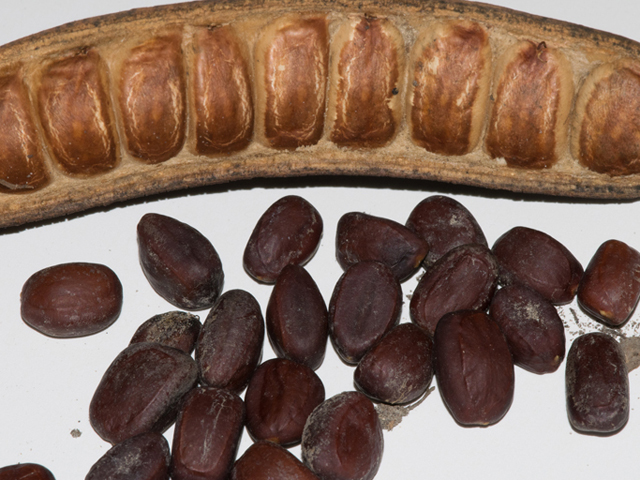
column 445, row 224
column 71, row 299
column 342, row 438
column 363, row 237
column 25, row 471
column 610, row 287
column 597, row 385
column 532, row 326
column 207, row 435
column 473, row 366
column 143, row 457
column 268, row 461
column 174, row 329
column 366, row 303
column 539, row 261
column 398, row 369
column 229, row 347
column 180, row 263
column 279, row 398
column 141, row 391
column 463, row 279
column 289, row 231
column 296, row 318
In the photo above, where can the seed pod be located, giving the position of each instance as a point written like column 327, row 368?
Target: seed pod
column 229, row 347
column 463, row 279
column 610, row 287
column 289, row 231
column 268, row 461
column 143, row 457
column 71, row 299
column 342, row 438
column 597, row 385
column 361, row 237
column 180, row 263
column 532, row 326
column 174, row 329
column 539, row 261
column 141, row 391
column 473, row 368
column 366, row 303
column 25, row 471
column 296, row 318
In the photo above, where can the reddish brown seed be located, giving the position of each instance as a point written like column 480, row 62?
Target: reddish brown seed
column 597, row 385
column 366, row 303
column 207, row 435
column 180, row 263
column 229, row 347
column 445, row 224
column 268, row 461
column 342, row 439
column 289, row 231
column 398, row 369
column 141, row 391
column 363, row 237
column 610, row 287
column 143, row 457
column 532, row 326
column 463, row 279
column 25, row 471
column 174, row 329
column 539, row 261
column 296, row 318
column 473, row 366
column 279, row 398
column 71, row 299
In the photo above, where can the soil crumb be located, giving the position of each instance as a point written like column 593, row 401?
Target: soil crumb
column 75, row 433
column 391, row 415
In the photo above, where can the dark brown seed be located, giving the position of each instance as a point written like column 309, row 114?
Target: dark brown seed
column 363, row 237
column 342, row 439
column 463, row 279
column 141, row 391
column 71, row 299
column 25, row 471
column 532, row 326
column 207, row 435
column 229, row 347
column 539, row 261
column 268, row 461
column 366, row 303
column 473, row 368
column 398, row 369
column 597, row 385
column 288, row 232
column 296, row 318
column 610, row 287
column 174, row 329
column 143, row 457
column 279, row 398
column 180, row 263
column 445, row 224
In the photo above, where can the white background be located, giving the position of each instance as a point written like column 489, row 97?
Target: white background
column 46, row 384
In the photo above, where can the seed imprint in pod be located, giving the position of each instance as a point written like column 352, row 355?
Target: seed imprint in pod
column 280, row 397
column 342, row 438
column 296, row 318
column 143, row 457
column 365, row 304
column 597, row 385
column 229, row 347
column 180, row 263
column 71, row 299
column 207, row 435
column 25, row 471
column 473, row 367
column 269, row 461
column 141, row 391
column 361, row 237
column 289, row 231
